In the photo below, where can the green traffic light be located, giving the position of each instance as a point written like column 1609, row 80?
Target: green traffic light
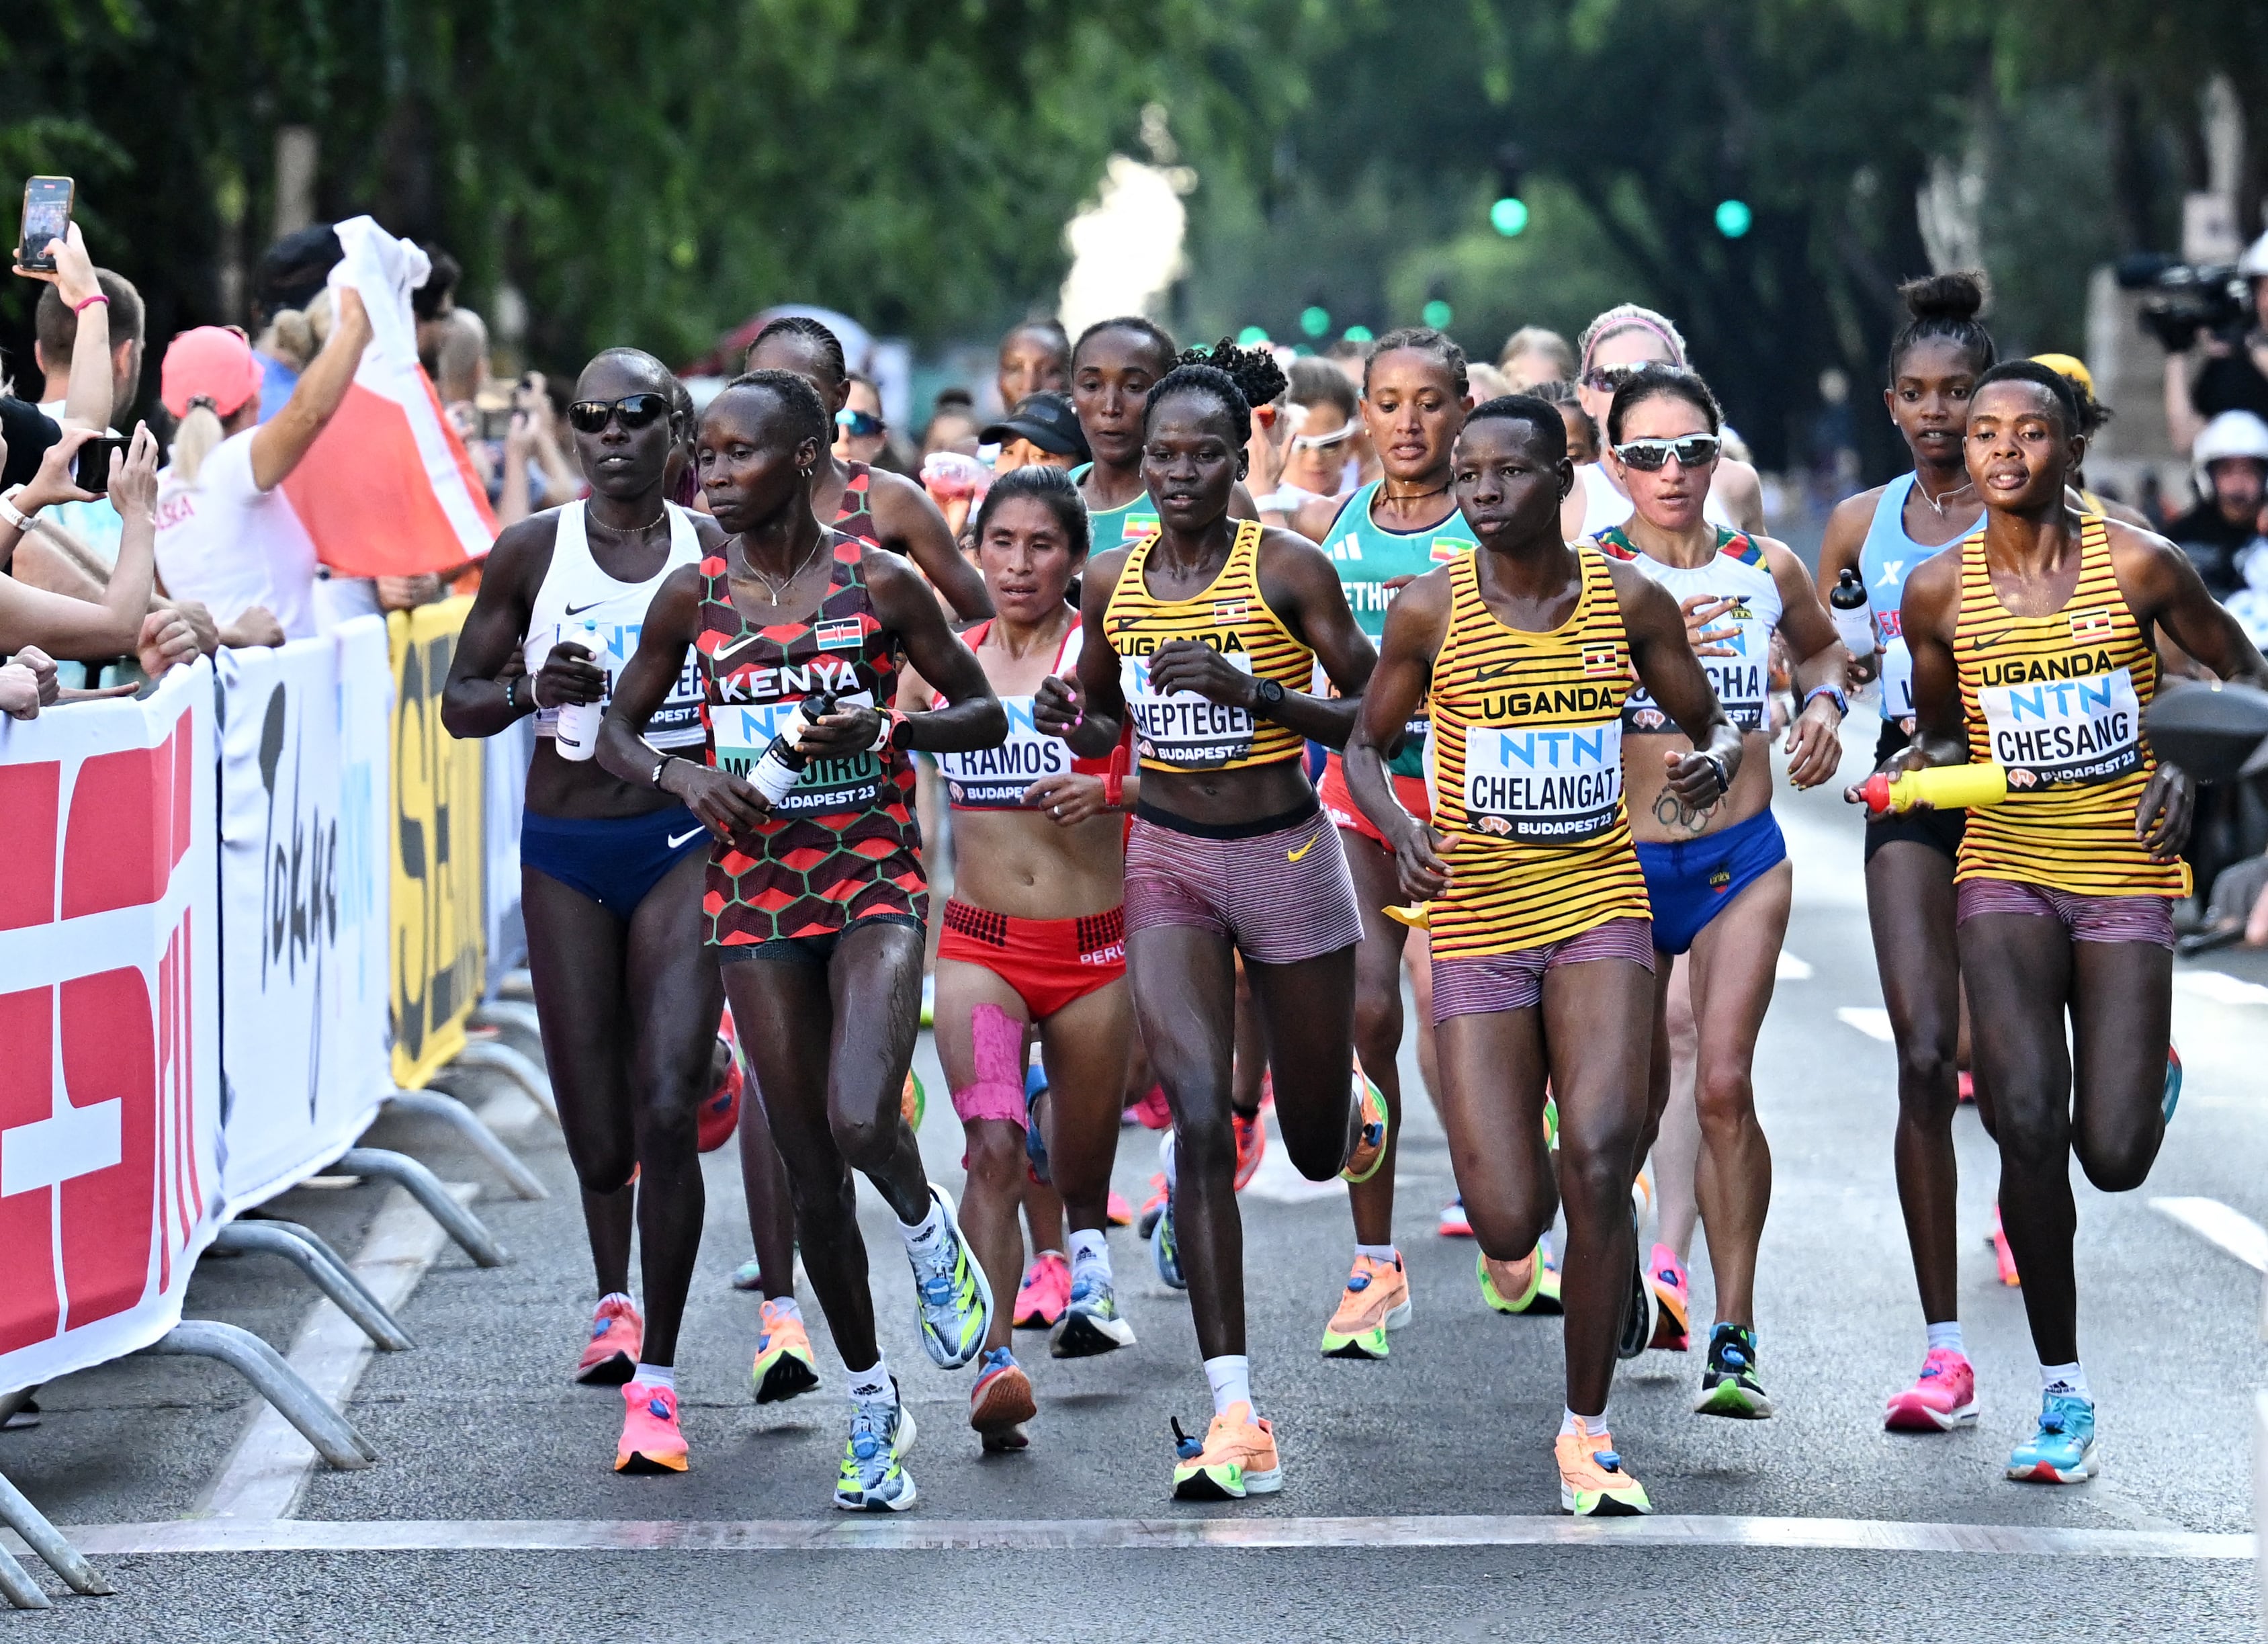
column 1437, row 314
column 1733, row 218
column 1314, row 321
column 1508, row 215
column 1252, row 337
column 1360, row 333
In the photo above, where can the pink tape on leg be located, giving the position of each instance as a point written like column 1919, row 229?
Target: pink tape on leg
column 998, row 1090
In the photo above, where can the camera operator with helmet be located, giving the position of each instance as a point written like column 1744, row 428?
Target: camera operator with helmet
column 2235, row 376
column 2231, row 462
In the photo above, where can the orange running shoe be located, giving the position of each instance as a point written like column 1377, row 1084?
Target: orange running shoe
column 1153, row 1206
column 1251, row 1145
column 1237, row 1459
column 721, row 1112
column 1117, row 1211
column 2001, row 1253
column 617, row 1336
column 1369, row 1150
column 1001, row 1402
column 1591, row 1482
column 650, row 1442
column 1375, row 1301
column 783, row 1366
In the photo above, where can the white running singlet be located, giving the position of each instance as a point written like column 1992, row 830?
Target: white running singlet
column 582, row 603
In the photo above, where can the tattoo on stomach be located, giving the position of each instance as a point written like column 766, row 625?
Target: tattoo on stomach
column 1672, row 811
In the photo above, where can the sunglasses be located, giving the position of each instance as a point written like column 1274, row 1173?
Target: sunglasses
column 858, row 425
column 1692, row 451
column 1323, row 442
column 1607, row 379
column 632, row 411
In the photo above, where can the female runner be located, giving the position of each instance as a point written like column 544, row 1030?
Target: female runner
column 1380, row 540
column 1543, row 953
column 814, row 908
column 610, row 873
column 1885, row 534
column 2032, row 650
column 1034, row 941
column 1206, row 637
column 1717, row 875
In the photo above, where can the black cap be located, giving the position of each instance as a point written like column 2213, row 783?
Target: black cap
column 1047, row 420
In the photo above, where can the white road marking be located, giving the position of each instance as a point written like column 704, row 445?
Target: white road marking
column 267, row 1473
column 2216, row 1223
column 2220, row 987
column 914, row 1534
column 1875, row 1023
column 1790, row 968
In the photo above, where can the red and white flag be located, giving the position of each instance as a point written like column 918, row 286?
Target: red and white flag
column 387, row 490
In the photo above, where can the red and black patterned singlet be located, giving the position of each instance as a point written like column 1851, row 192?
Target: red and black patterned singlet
column 842, row 846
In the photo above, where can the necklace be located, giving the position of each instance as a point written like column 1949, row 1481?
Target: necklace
column 775, row 589
column 1937, row 504
column 639, row 530
column 1387, row 496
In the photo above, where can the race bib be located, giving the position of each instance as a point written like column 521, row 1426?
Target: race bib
column 994, row 778
column 828, row 787
column 2065, row 733
column 678, row 720
column 1742, row 680
column 1543, row 786
column 1182, row 728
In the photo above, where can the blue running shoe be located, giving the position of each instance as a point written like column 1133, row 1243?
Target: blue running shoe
column 952, row 1299
column 873, row 1478
column 2062, row 1451
column 1090, row 1325
column 1729, row 1385
column 1035, row 1141
column 2172, row 1099
column 1164, row 1248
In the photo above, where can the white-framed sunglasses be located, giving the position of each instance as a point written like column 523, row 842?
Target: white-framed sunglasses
column 1692, row 451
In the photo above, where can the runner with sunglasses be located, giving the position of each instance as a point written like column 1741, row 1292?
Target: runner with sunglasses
column 1613, row 346
column 2031, row 649
column 815, row 904
column 1717, row 874
column 1885, row 534
column 1381, row 539
column 610, row 873
column 1542, row 953
column 1204, row 637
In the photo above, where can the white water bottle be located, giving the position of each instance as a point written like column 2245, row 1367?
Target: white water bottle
column 1853, row 614
column 782, row 764
column 577, row 733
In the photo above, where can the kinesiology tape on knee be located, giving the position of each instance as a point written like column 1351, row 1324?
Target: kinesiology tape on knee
column 996, row 1042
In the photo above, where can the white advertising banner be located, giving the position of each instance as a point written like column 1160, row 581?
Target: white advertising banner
column 304, row 807
column 109, row 1024
column 503, row 770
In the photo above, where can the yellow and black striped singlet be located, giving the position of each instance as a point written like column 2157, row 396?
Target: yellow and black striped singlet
column 2059, row 700
column 1526, row 765
column 1182, row 731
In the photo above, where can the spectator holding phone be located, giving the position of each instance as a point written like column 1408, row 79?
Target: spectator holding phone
column 27, row 430
column 225, row 537
column 94, row 524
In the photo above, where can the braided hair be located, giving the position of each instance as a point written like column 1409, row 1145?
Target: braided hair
column 1421, row 340
column 806, row 419
column 1148, row 330
column 813, row 331
column 1237, row 378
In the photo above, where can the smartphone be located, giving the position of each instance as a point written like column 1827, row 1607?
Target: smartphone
column 47, row 203
column 91, row 468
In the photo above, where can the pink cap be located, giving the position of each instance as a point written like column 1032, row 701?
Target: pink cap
column 211, row 362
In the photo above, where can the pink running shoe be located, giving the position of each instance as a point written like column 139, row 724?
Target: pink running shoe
column 610, row 1357
column 650, row 1442
column 1117, row 1211
column 1943, row 1398
column 2001, row 1253
column 1251, row 1145
column 1045, row 1293
column 1153, row 1109
column 1672, row 1299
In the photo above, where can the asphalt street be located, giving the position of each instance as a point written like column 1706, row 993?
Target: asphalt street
column 1446, row 1444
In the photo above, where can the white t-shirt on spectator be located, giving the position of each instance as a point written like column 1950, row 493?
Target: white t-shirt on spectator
column 225, row 541
column 94, row 523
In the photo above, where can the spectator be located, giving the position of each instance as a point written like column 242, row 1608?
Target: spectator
column 951, row 426
column 226, row 538
column 434, row 306
column 1326, row 431
column 1484, row 382
column 121, row 621
column 1534, row 354
column 2231, row 462
column 94, row 524
column 537, row 472
column 2235, row 375
column 290, row 277
column 27, row 683
column 29, row 431
column 1043, row 432
column 860, row 434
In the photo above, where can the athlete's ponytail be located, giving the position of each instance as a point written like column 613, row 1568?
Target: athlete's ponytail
column 1238, row 378
column 1943, row 307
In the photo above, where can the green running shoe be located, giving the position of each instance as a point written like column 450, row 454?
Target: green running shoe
column 952, row 1299
column 1729, row 1385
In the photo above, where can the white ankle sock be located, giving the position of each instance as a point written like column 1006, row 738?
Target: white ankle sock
column 1596, row 1425
column 921, row 1237
column 1377, row 1252
column 613, row 1295
column 866, row 1387
column 2064, row 1378
column 657, row 1375
column 786, row 1307
column 1946, row 1336
column 1090, row 1255
column 1231, row 1375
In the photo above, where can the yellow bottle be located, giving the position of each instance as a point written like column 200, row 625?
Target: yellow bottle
column 1945, row 787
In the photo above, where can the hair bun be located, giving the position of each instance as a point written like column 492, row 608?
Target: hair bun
column 1956, row 297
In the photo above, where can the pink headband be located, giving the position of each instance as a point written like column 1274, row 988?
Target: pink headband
column 1636, row 323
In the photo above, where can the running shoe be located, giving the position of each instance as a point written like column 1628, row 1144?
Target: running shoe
column 2172, row 1098
column 783, row 1366
column 1591, row 1482
column 1166, row 1249
column 1045, row 1292
column 1673, row 1300
column 1237, row 1459
column 2062, row 1451
column 1454, row 1224
column 1117, row 1211
column 650, row 1442
column 1729, row 1385
column 1550, row 1122
column 929, row 1001
column 1001, row 1402
column 749, row 1275
column 2002, row 1255
column 1153, row 1206
column 610, row 1357
column 953, row 1303
column 1375, row 1301
column 913, row 1100
column 1530, row 1284
column 1942, row 1397
column 1090, row 1323
column 720, row 1114
column 872, row 1478
column 1251, row 1145
column 1035, row 1138
column 1965, row 1088
column 1638, row 1317
column 1369, row 1150
column 1151, row 1108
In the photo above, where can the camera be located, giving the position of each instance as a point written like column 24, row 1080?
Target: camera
column 2187, row 297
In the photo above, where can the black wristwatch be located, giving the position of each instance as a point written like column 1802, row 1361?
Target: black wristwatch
column 1267, row 696
column 1716, row 763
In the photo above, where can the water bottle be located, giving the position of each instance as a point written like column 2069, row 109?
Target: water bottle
column 1945, row 787
column 782, row 763
column 1854, row 615
column 577, row 733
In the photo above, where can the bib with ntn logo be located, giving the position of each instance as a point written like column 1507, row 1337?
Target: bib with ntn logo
column 827, row 786
column 579, row 603
column 1367, row 557
column 1738, row 572
column 995, row 779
